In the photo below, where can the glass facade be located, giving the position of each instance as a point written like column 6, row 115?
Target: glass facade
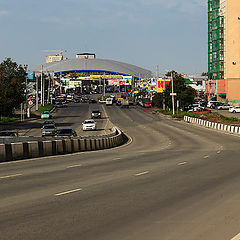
column 215, row 41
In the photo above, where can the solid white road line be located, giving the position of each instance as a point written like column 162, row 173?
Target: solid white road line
column 74, row 166
column 206, row 157
column 183, row 163
column 10, row 176
column 142, row 173
column 237, row 237
column 67, row 192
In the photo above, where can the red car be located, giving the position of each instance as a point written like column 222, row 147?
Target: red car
column 204, row 110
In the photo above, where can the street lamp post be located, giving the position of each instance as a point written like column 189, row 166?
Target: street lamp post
column 173, row 103
column 26, row 95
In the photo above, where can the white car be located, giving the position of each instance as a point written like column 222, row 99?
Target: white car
column 89, row 124
column 224, row 107
column 234, row 110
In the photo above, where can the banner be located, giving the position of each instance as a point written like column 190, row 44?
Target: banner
column 162, row 84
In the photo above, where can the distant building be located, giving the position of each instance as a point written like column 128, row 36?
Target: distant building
column 54, row 58
column 86, row 56
column 223, row 50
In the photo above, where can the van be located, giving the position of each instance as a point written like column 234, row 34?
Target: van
column 109, row 101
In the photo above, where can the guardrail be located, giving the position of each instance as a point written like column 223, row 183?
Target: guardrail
column 214, row 125
column 58, row 146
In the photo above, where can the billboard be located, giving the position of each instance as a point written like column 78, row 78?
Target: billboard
column 30, row 75
column 162, row 84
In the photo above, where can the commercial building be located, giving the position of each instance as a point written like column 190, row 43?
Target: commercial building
column 224, row 50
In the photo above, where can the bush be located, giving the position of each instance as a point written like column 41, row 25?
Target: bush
column 47, row 107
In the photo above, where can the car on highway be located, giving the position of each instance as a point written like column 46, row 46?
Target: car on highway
column 7, row 134
column 224, row 107
column 66, row 132
column 46, row 115
column 96, row 114
column 109, row 101
column 49, row 130
column 234, row 109
column 92, row 101
column 89, row 124
column 49, row 122
column 102, row 101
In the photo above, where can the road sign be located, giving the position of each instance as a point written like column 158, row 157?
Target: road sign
column 30, row 103
column 173, row 94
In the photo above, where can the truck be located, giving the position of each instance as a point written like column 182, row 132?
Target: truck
column 109, row 101
column 125, row 103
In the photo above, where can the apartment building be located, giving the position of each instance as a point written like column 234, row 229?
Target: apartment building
column 224, row 50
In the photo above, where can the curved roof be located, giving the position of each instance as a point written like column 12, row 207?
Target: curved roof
column 101, row 65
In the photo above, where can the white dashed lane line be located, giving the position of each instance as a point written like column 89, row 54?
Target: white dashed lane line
column 11, row 176
column 74, row 166
column 68, row 192
column 183, row 163
column 142, row 173
column 205, row 157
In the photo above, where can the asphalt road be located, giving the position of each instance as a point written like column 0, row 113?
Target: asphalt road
column 69, row 117
column 174, row 181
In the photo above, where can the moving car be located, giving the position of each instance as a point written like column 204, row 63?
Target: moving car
column 49, row 130
column 49, row 122
column 96, row 114
column 66, row 132
column 109, row 101
column 7, row 134
column 234, row 109
column 46, row 115
column 92, row 101
column 89, row 124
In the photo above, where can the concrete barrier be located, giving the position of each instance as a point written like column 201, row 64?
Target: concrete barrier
column 3, row 155
column 47, row 148
column 33, row 150
column 17, row 150
column 75, row 145
column 58, row 146
column 40, row 148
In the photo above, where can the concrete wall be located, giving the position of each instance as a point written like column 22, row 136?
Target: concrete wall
column 20, row 150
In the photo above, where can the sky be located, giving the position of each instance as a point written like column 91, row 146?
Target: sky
column 169, row 33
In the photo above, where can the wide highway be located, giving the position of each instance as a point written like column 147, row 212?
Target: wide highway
column 172, row 180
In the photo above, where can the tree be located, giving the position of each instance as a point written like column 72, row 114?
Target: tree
column 12, row 85
column 185, row 94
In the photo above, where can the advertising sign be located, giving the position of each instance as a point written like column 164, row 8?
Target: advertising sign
column 30, row 75
column 162, row 84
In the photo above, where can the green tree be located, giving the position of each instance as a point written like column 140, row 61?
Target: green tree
column 185, row 94
column 12, row 85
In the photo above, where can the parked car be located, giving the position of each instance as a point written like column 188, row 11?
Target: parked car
column 96, row 114
column 49, row 130
column 224, row 107
column 102, row 101
column 76, row 100
column 7, row 134
column 234, row 109
column 46, row 115
column 66, row 132
column 89, row 124
column 212, row 104
column 203, row 110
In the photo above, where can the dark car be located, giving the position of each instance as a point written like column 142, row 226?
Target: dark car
column 76, row 100
column 96, row 114
column 6, row 134
column 49, row 122
column 66, row 132
column 92, row 101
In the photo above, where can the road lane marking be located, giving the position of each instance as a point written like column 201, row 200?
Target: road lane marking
column 10, row 176
column 183, row 163
column 115, row 159
column 237, row 237
column 206, row 157
column 67, row 192
column 74, row 166
column 142, row 173
column 218, row 152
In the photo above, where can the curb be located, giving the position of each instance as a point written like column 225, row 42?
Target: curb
column 216, row 126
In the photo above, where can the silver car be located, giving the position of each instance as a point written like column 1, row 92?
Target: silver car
column 49, row 130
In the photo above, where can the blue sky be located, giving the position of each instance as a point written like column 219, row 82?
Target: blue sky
column 168, row 33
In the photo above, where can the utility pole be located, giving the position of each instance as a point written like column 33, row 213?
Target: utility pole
column 41, row 84
column 173, row 104
column 36, row 93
